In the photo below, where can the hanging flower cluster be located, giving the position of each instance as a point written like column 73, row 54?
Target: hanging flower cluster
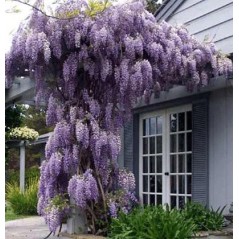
column 55, row 211
column 22, row 133
column 83, row 188
column 91, row 69
column 124, row 198
column 126, row 180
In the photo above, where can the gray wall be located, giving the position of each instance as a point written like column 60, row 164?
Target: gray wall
column 211, row 18
column 221, row 147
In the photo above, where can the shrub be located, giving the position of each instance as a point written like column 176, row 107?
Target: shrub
column 23, row 203
column 205, row 219
column 150, row 223
column 30, row 173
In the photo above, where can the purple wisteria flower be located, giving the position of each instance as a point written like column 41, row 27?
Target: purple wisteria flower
column 126, row 180
column 83, row 188
column 113, row 210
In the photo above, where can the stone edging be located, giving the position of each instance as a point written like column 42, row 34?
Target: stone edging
column 224, row 232
column 83, row 236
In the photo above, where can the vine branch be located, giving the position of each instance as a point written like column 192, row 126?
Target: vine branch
column 44, row 13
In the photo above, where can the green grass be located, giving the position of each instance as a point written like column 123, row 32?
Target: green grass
column 10, row 215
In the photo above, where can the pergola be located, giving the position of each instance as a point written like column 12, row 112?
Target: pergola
column 22, row 92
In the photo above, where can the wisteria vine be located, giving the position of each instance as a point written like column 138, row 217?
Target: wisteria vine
column 91, row 69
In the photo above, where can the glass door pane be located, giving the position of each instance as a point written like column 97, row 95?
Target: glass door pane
column 180, row 154
column 152, row 160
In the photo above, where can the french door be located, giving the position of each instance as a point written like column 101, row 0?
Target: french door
column 166, row 157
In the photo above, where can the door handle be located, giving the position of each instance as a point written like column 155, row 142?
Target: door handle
column 166, row 173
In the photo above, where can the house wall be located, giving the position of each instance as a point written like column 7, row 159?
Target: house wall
column 204, row 19
column 212, row 20
column 221, row 148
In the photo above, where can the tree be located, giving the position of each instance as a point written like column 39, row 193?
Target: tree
column 152, row 5
column 35, row 118
column 14, row 116
column 92, row 68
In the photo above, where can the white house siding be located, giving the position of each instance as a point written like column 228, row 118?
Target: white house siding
column 206, row 19
column 220, row 148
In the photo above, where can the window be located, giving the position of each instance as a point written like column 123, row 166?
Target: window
column 166, row 157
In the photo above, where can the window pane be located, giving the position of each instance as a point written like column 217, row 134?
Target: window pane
column 145, row 164
column 159, row 144
column 152, row 145
column 145, row 127
column 159, row 199
column 189, row 184
column 145, row 145
column 189, row 141
column 181, row 163
column 173, row 184
column 159, row 164
column 145, row 199
column 145, row 183
column 152, row 126
column 152, row 184
column 189, row 120
column 173, row 163
column 181, row 200
column 173, row 143
column 152, row 164
column 181, row 121
column 181, row 143
column 189, row 163
column 173, row 122
column 181, row 184
column 159, row 125
column 173, row 201
column 152, row 199
column 159, row 184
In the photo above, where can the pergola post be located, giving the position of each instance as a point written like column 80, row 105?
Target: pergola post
column 22, row 166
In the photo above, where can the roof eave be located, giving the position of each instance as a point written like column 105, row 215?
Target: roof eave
column 167, row 9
